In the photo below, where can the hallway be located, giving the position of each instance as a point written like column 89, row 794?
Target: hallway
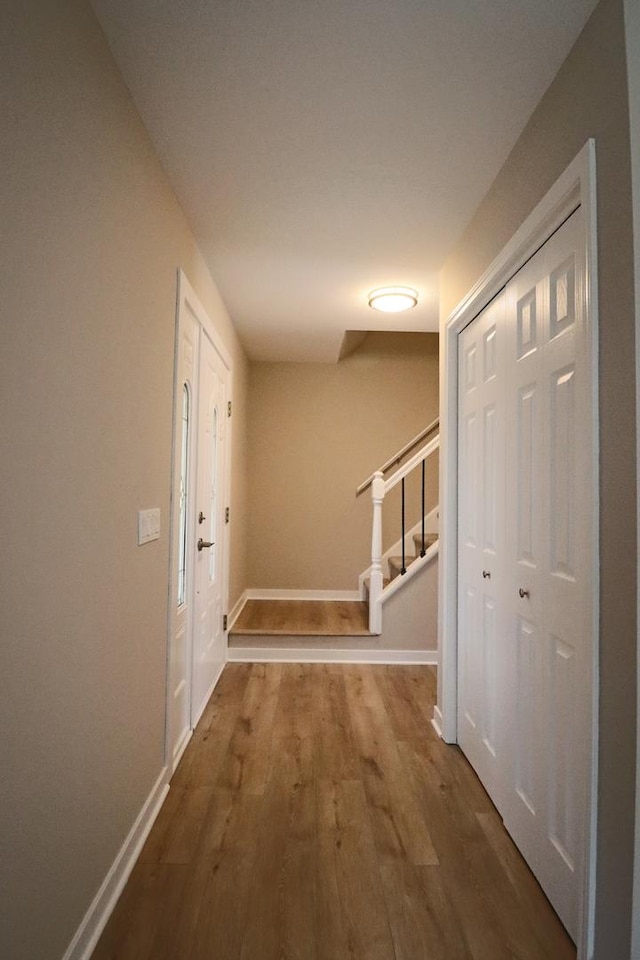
column 315, row 815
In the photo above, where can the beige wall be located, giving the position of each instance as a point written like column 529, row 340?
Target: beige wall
column 316, row 431
column 589, row 99
column 91, row 238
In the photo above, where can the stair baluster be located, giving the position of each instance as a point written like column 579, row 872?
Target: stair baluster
column 422, row 548
column 403, row 568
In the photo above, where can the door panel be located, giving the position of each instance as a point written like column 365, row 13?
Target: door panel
column 562, row 810
column 470, row 659
column 469, row 464
column 490, row 641
column 527, row 667
column 490, row 480
column 563, row 481
column 525, row 466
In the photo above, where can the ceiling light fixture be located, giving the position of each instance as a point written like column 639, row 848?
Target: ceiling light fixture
column 393, row 299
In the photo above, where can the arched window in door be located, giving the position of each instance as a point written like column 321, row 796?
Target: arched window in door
column 213, row 496
column 184, row 481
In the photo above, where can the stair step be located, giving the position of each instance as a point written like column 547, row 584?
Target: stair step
column 429, row 540
column 300, row 618
column 367, row 583
column 395, row 565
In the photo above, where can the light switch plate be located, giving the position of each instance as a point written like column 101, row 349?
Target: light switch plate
column 148, row 525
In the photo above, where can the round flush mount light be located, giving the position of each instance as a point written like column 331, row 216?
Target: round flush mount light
column 393, row 299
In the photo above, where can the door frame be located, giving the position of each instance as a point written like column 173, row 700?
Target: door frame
column 632, row 34
column 188, row 305
column 576, row 186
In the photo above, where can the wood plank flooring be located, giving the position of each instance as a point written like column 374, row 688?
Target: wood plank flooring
column 316, row 816
column 319, row 618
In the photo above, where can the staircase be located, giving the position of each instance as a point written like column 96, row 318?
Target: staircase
column 299, row 629
column 374, row 585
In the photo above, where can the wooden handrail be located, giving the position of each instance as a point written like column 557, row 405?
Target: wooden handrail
column 410, row 465
column 396, row 458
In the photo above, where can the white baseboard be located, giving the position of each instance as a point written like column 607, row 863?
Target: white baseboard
column 95, row 919
column 305, row 655
column 436, row 720
column 257, row 594
column 237, row 609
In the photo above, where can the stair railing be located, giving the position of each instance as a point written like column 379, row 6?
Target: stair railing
column 379, row 489
column 400, row 455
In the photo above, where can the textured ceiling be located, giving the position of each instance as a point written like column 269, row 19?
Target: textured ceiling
column 321, row 149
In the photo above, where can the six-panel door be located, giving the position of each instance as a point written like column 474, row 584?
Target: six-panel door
column 481, row 552
column 524, row 667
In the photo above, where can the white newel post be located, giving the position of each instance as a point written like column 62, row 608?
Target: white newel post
column 376, row 582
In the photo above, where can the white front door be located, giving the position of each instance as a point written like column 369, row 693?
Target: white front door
column 209, row 557
column 182, row 540
column 525, row 571
column 199, row 541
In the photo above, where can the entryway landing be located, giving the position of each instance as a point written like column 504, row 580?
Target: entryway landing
column 316, row 618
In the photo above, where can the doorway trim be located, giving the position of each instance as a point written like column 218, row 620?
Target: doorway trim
column 189, row 306
column 632, row 34
column 576, row 186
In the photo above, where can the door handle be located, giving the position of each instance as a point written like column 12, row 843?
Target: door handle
column 523, row 593
column 204, row 543
column 486, row 574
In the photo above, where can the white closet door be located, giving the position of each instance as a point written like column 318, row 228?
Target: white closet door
column 481, row 535
column 525, row 508
column 548, row 596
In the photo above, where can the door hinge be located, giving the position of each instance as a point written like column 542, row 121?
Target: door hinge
column 227, row 513
column 229, row 408
column 224, row 621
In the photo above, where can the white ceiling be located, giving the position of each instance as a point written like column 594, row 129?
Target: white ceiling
column 321, row 148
